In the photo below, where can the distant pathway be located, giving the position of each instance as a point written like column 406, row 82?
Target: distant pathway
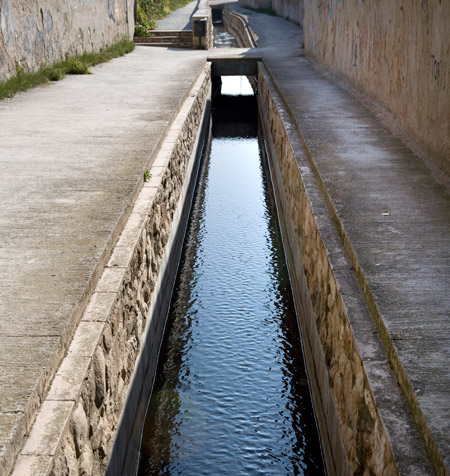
column 180, row 19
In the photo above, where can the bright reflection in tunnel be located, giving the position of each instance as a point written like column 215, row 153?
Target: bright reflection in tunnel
column 236, row 86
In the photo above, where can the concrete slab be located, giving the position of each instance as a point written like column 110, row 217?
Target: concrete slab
column 72, row 156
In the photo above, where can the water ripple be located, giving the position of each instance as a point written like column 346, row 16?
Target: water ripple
column 231, row 397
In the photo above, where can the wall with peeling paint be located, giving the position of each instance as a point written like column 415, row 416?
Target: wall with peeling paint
column 34, row 32
column 397, row 52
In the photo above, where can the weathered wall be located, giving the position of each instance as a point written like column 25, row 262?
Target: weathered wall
column 34, row 32
column 75, row 430
column 397, row 52
column 352, row 433
column 292, row 10
column 257, row 4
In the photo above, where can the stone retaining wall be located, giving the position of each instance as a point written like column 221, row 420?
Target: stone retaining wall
column 75, row 430
column 36, row 32
column 239, row 28
column 352, row 433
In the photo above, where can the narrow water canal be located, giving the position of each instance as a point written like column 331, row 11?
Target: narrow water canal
column 231, row 395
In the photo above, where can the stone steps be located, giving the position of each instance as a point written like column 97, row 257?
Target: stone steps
column 167, row 38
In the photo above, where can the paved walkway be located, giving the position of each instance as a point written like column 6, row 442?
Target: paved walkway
column 74, row 152
column 181, row 19
column 394, row 213
column 71, row 156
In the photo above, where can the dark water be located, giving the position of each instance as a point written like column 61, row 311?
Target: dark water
column 231, row 394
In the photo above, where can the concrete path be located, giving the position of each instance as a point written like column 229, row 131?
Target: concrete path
column 180, row 19
column 72, row 155
column 390, row 207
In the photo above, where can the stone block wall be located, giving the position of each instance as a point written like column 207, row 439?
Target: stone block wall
column 76, row 427
column 352, row 433
column 35, row 32
column 397, row 52
column 239, row 28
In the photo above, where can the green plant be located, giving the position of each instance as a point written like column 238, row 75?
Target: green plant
column 144, row 23
column 56, row 74
column 147, row 175
column 77, row 66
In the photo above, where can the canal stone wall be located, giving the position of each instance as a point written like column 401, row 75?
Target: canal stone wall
column 344, row 360
column 239, row 28
column 35, row 32
column 75, row 430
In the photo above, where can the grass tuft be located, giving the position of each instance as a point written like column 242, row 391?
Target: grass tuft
column 78, row 65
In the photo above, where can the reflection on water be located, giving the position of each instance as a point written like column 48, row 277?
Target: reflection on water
column 231, row 394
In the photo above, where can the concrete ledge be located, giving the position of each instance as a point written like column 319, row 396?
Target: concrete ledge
column 54, row 246
column 370, row 302
column 234, row 66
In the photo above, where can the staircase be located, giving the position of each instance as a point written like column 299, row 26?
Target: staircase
column 167, row 38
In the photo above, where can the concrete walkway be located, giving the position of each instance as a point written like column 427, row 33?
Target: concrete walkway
column 73, row 154
column 181, row 19
column 389, row 206
column 72, row 157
